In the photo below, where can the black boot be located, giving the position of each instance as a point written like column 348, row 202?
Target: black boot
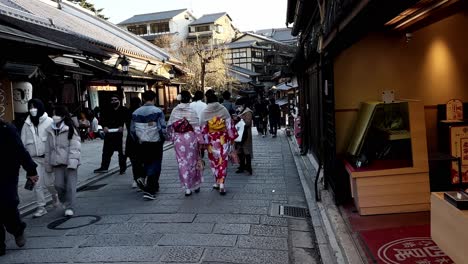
column 241, row 163
column 248, row 166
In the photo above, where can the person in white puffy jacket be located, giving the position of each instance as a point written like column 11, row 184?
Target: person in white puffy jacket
column 62, row 156
column 34, row 137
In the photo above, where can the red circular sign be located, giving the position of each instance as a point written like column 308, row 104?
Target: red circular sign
column 415, row 250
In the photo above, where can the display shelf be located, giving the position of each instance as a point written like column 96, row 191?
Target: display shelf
column 395, row 186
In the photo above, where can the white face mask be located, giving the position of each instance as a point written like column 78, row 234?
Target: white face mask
column 33, row 112
column 57, row 119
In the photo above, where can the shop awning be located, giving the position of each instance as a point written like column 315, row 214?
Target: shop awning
column 21, row 69
column 282, row 101
column 285, row 87
column 9, row 33
column 113, row 72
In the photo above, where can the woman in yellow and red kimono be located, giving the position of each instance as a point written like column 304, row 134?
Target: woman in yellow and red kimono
column 219, row 133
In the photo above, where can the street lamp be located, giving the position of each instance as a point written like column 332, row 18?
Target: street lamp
column 125, row 64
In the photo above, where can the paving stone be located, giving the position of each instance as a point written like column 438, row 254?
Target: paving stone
column 48, row 242
column 163, row 218
column 274, row 221
column 183, row 254
column 249, row 256
column 107, row 240
column 198, row 240
column 252, row 202
column 302, row 239
column 180, row 228
column 113, row 219
column 227, row 218
column 114, row 254
column 88, row 230
column 252, row 210
column 62, row 255
column 262, row 242
column 302, row 255
column 235, row 229
column 299, row 225
column 264, row 230
column 43, row 231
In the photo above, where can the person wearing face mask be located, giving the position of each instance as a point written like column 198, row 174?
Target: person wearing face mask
column 113, row 121
column 34, row 137
column 62, row 156
column 245, row 147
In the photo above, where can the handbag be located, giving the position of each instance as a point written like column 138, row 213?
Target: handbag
column 182, row 126
column 240, row 130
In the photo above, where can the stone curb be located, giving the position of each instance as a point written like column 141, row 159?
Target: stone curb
column 334, row 241
column 31, row 207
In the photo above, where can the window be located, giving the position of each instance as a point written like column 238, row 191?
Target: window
column 160, row 27
column 138, row 29
column 239, row 54
column 202, row 28
column 219, row 29
column 256, row 54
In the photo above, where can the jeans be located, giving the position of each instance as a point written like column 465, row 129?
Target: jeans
column 153, row 171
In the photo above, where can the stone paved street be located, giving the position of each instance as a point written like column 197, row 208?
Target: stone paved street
column 240, row 227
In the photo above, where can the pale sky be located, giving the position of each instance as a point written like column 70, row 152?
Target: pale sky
column 245, row 14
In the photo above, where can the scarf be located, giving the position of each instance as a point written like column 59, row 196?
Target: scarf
column 214, row 110
column 184, row 110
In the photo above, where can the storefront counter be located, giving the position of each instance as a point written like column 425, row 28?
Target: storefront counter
column 449, row 228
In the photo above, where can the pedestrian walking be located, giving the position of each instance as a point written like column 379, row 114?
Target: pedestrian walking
column 12, row 156
column 113, row 121
column 197, row 103
column 274, row 114
column 62, row 157
column 34, row 138
column 227, row 102
column 131, row 144
column 219, row 133
column 148, row 127
column 244, row 148
column 261, row 116
column 184, row 131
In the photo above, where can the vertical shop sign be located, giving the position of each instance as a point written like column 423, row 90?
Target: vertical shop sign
column 6, row 100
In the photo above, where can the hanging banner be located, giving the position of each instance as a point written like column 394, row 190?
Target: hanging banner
column 22, row 93
column 6, row 100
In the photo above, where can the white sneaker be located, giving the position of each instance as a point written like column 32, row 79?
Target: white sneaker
column 134, row 185
column 40, row 212
column 188, row 192
column 69, row 212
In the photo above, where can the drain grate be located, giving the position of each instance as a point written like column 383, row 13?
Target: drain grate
column 92, row 187
column 294, row 211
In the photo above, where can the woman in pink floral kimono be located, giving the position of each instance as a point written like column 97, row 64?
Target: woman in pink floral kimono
column 184, row 131
column 219, row 133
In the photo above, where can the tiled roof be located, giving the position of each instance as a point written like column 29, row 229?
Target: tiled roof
column 241, row 44
column 279, row 34
column 54, row 35
column 243, row 70
column 209, row 18
column 239, row 77
column 260, row 37
column 165, row 15
column 96, row 30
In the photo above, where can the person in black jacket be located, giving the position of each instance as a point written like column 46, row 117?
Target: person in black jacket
column 274, row 116
column 113, row 121
column 12, row 156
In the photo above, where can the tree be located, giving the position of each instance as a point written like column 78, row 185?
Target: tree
column 206, row 64
column 85, row 4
